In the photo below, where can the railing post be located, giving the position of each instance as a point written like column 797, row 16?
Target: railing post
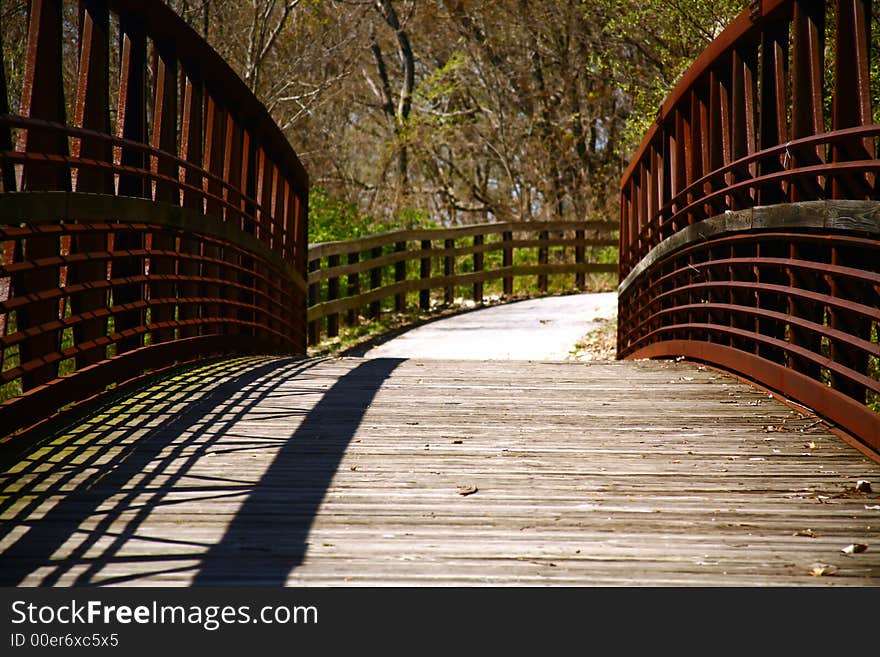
column 353, row 288
column 133, row 127
column 92, row 113
column 507, row 261
column 542, row 261
column 478, row 267
column 425, row 274
column 580, row 278
column 314, row 325
column 332, row 295
column 448, row 270
column 375, row 282
column 163, row 265
column 399, row 277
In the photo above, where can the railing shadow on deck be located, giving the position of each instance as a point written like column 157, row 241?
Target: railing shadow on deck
column 127, row 470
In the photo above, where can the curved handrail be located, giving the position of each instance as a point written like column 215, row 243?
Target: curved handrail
column 750, row 215
column 176, row 231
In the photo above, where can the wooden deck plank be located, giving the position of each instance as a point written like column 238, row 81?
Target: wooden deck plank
column 346, row 472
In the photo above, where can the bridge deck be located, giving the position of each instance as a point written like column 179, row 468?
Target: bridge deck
column 348, row 472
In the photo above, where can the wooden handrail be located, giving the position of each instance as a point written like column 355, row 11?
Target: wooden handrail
column 384, row 258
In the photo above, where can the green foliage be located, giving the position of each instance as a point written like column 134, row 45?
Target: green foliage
column 332, row 219
column 650, row 45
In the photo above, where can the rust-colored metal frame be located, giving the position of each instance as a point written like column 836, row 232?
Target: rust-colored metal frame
column 790, row 300
column 175, row 232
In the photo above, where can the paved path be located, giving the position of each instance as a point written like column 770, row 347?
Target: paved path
column 537, row 329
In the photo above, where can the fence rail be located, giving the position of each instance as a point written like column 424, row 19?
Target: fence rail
column 749, row 217
column 446, row 259
column 164, row 221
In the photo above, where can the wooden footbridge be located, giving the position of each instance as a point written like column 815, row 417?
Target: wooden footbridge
column 163, row 424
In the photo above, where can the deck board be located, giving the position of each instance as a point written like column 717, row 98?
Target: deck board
column 346, row 471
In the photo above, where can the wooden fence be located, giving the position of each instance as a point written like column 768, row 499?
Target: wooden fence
column 354, row 277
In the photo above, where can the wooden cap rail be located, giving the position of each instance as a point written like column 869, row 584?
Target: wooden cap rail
column 749, row 215
column 175, row 230
column 448, row 258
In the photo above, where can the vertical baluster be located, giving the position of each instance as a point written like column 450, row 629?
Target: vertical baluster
column 332, row 295
column 375, row 282
column 633, row 229
column 808, row 44
column 7, row 171
column 248, row 312
column 164, row 139
column 851, row 99
column 263, row 174
column 642, row 209
column 353, row 288
column 652, row 194
column 271, row 237
column 719, row 130
column 507, row 261
column 848, row 322
column 132, row 126
column 678, row 168
column 191, row 149
column 215, row 124
column 478, row 267
column 232, row 174
column 42, row 99
column 7, row 184
column 626, row 234
column 742, row 120
column 399, row 277
column 580, row 277
column 297, row 220
column 800, row 279
column 314, row 326
column 667, row 165
column 92, row 112
column 692, row 150
column 773, row 107
column 425, row 274
column 704, row 155
column 448, row 270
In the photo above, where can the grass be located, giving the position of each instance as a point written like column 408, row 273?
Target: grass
column 598, row 344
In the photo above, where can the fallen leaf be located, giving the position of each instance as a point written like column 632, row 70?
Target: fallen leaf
column 467, row 490
column 863, row 486
column 810, row 445
column 805, row 532
column 854, row 548
column 819, row 569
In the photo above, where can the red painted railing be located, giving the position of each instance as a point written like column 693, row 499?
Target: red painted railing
column 749, row 214
column 164, row 221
